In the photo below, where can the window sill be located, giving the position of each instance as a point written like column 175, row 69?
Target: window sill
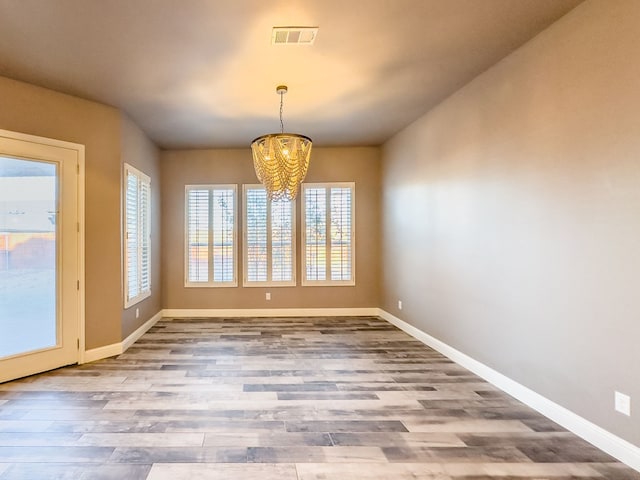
column 210, row 285
column 135, row 300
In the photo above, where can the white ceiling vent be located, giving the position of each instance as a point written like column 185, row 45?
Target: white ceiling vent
column 293, row 35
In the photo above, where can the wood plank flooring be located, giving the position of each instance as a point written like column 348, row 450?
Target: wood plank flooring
column 286, row 399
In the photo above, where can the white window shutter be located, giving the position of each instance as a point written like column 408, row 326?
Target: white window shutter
column 198, row 235
column 210, row 256
column 256, row 241
column 145, row 237
column 269, row 239
column 282, row 241
column 137, row 243
column 316, row 233
column 341, row 233
column 223, row 228
column 328, row 234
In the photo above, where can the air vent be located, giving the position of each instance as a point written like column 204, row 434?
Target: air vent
column 294, row 35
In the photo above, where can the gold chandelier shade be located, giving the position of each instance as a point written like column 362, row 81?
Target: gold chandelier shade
column 281, row 160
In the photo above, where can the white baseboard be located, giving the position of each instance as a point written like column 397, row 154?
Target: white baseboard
column 269, row 312
column 131, row 339
column 606, row 441
column 102, row 352
column 121, row 347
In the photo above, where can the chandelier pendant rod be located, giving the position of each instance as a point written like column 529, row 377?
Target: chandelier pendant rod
column 281, row 108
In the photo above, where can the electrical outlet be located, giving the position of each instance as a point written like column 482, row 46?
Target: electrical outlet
column 267, row 296
column 137, row 312
column 399, row 304
column 622, row 403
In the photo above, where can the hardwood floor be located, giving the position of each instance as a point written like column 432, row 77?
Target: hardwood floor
column 286, row 399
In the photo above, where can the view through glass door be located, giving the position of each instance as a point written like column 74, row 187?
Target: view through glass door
column 39, row 257
column 29, row 206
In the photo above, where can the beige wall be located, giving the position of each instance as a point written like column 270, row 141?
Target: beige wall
column 512, row 215
column 38, row 111
column 141, row 153
column 180, row 168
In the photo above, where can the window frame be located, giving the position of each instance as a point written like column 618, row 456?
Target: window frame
column 143, row 227
column 328, row 282
column 245, row 244
column 211, row 283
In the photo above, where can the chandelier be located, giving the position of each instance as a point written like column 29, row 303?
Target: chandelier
column 281, row 159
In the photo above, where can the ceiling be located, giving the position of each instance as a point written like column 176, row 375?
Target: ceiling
column 202, row 73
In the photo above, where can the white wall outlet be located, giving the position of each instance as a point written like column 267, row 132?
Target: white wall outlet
column 399, row 304
column 622, row 403
column 267, row 296
column 137, row 312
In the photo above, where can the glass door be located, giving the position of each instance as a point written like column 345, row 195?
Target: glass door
column 39, row 289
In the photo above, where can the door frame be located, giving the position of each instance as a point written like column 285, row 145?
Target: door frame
column 80, row 206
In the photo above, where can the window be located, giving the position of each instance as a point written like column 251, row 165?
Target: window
column 137, row 245
column 328, row 220
column 269, row 239
column 210, row 257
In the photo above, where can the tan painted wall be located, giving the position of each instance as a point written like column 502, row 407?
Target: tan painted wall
column 38, row 111
column 512, row 215
column 140, row 152
column 180, row 168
